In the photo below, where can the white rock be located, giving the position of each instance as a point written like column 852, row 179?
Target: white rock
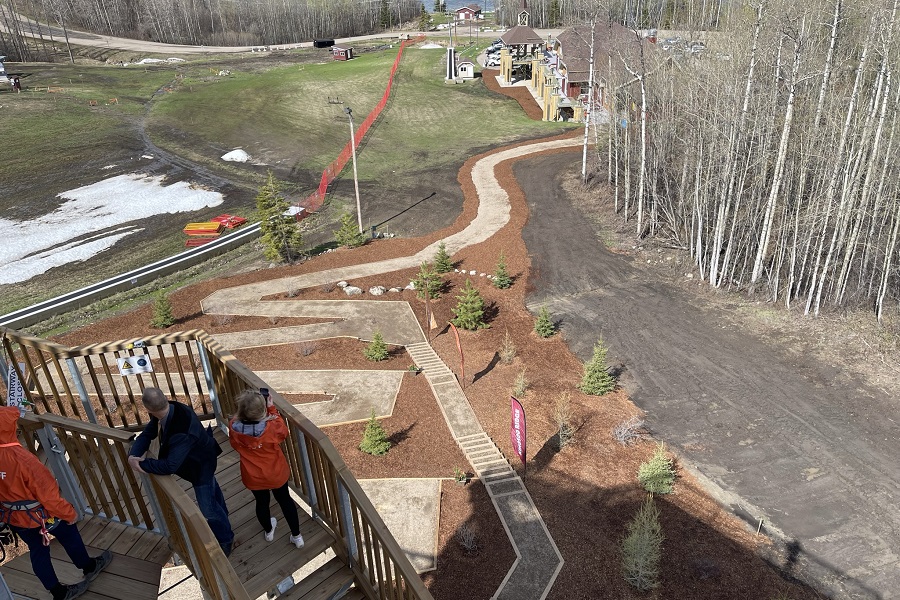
column 342, row 284
column 236, row 155
column 481, row 274
column 690, row 275
column 395, row 290
column 411, row 286
column 352, row 290
column 377, row 290
column 473, row 272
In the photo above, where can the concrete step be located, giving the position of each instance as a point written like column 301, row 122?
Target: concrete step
column 480, row 439
column 498, row 477
column 486, row 473
column 489, row 463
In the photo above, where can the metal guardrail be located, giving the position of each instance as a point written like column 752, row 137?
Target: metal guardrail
column 36, row 313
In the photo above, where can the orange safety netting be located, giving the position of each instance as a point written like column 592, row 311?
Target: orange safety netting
column 314, row 201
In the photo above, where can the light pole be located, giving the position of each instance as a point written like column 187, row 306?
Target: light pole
column 349, row 112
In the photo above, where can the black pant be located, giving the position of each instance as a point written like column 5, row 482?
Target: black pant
column 288, row 508
column 71, row 541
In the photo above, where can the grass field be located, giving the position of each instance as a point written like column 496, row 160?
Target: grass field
column 274, row 106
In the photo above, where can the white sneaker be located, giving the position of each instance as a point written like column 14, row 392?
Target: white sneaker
column 297, row 540
column 271, row 534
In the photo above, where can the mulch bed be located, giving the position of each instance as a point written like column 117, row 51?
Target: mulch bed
column 586, row 493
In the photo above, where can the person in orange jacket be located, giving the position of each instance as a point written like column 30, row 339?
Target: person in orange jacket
column 256, row 433
column 32, row 506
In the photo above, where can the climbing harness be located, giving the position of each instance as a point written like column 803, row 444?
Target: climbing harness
column 35, row 511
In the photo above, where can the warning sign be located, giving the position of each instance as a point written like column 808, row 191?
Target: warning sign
column 15, row 393
column 134, row 365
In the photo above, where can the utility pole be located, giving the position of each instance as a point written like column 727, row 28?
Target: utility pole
column 349, row 112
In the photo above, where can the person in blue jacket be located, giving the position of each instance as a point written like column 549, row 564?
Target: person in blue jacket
column 188, row 450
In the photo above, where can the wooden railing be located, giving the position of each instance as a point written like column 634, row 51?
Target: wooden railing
column 91, row 465
column 191, row 538
column 192, row 367
column 84, row 382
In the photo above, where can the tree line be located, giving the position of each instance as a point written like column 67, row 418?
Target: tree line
column 201, row 22
column 770, row 156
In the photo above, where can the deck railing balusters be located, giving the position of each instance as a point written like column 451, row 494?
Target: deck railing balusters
column 62, row 470
column 82, row 391
column 380, row 567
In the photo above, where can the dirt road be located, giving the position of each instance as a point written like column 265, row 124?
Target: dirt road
column 804, row 445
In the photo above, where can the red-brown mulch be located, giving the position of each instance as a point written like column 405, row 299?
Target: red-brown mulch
column 586, row 493
column 332, row 353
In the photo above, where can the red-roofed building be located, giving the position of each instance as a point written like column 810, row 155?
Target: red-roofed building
column 472, row 12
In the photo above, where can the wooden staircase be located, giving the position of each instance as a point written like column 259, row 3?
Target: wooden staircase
column 86, row 413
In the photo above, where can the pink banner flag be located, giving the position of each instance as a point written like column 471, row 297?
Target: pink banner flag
column 517, row 429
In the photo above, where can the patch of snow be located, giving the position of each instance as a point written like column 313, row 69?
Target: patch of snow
column 174, row 59
column 150, row 61
column 147, row 156
column 236, row 155
column 50, row 240
column 430, row 46
column 107, row 167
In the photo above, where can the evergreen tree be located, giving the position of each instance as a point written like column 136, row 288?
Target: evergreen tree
column 554, row 17
column 377, row 349
column 428, row 279
column 442, row 262
column 469, row 310
column 349, row 235
column 375, row 440
column 162, row 312
column 281, row 235
column 544, row 327
column 439, row 6
column 642, row 547
column 502, row 280
column 597, row 380
column 657, row 475
column 424, row 20
column 385, row 15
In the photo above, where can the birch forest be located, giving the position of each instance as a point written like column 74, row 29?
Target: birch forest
column 206, row 22
column 771, row 156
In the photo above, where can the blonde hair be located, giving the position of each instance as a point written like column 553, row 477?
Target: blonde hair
column 251, row 406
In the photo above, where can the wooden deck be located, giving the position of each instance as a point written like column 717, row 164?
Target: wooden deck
column 138, row 558
column 261, row 565
column 140, row 554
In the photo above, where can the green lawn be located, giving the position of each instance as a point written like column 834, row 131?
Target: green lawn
column 284, row 113
column 275, row 106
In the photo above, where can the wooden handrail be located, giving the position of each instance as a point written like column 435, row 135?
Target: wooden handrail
column 380, row 566
column 188, row 531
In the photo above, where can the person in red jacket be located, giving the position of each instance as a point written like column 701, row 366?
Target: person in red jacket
column 256, row 433
column 32, row 506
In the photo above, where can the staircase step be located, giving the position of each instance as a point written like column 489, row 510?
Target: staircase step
column 324, row 582
column 279, row 559
column 497, row 462
column 488, row 473
column 482, row 454
column 481, row 440
column 497, row 477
